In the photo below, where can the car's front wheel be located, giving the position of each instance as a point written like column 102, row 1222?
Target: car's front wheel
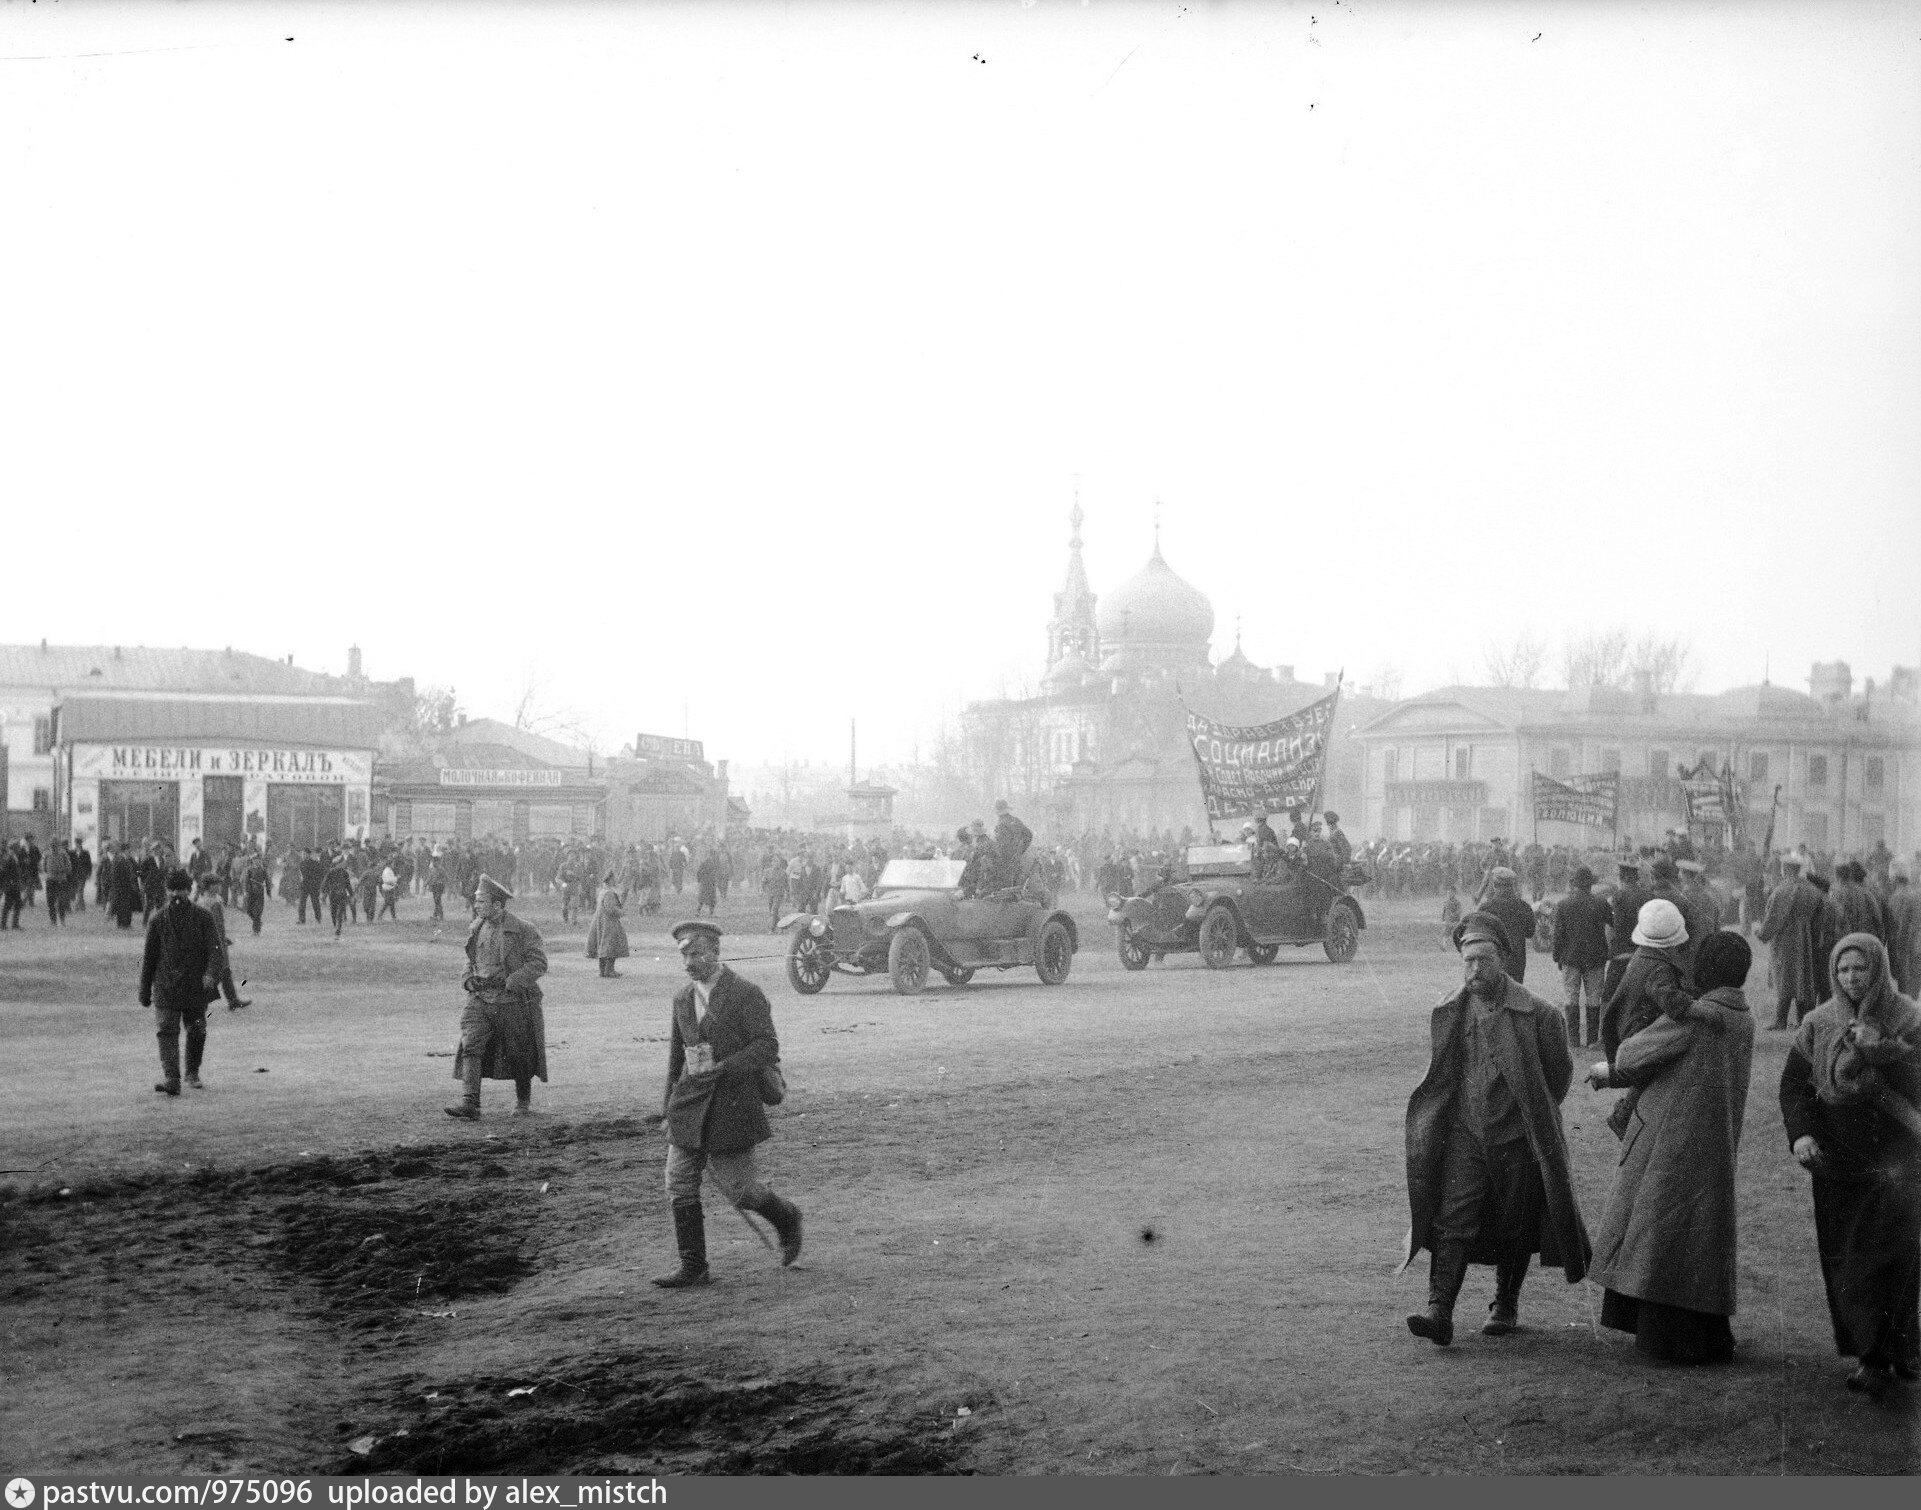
column 1133, row 951
column 1343, row 936
column 1053, row 952
column 808, row 964
column 908, row 960
column 1220, row 937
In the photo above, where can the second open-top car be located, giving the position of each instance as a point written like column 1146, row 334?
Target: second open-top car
column 1222, row 907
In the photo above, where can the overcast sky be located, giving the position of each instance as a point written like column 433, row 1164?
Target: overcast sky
column 731, row 367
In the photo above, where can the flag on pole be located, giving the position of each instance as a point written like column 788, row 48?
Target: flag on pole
column 1251, row 768
column 1711, row 796
column 1593, row 801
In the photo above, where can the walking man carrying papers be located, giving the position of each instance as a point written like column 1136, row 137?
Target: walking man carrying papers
column 721, row 1067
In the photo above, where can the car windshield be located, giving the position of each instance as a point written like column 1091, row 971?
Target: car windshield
column 921, row 875
column 1213, row 859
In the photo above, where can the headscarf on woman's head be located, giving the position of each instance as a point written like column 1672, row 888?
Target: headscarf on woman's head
column 1879, row 1003
column 1841, row 1074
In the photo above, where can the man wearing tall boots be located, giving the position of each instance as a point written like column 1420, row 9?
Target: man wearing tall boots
column 722, row 1042
column 503, row 1032
column 182, row 950
column 1581, row 922
column 1487, row 1163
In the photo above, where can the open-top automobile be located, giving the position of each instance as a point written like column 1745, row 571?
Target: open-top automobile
column 917, row 923
column 1223, row 907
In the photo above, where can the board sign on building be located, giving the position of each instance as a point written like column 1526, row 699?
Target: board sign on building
column 286, row 771
column 660, row 747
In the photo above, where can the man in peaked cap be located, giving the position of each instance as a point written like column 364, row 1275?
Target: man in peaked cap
column 503, row 1034
column 722, row 1058
column 1487, row 1164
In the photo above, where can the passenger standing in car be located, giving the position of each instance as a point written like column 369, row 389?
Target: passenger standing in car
column 1011, row 836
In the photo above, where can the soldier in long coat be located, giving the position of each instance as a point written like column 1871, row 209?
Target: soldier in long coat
column 1487, row 1163
column 503, row 1033
column 1791, row 928
column 722, row 1046
column 607, row 934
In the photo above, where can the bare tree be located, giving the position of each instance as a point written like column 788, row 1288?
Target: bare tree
column 1516, row 665
column 1658, row 663
column 536, row 713
column 1387, row 683
column 1609, row 659
column 410, row 732
column 1596, row 659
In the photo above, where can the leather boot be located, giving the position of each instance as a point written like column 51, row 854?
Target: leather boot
column 1504, row 1315
column 1445, row 1271
column 169, row 1065
column 785, row 1216
column 690, row 1237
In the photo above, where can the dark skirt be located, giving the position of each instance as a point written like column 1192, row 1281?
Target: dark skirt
column 1869, row 1233
column 1670, row 1333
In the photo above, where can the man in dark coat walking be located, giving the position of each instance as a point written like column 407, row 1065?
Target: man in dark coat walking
column 503, row 1033
column 1487, row 1164
column 312, row 872
column 1581, row 951
column 1517, row 918
column 182, row 949
column 722, row 1047
column 1790, row 926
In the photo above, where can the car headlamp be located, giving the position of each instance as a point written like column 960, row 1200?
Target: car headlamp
column 818, row 928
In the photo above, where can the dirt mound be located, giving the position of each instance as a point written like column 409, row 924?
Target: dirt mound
column 625, row 1412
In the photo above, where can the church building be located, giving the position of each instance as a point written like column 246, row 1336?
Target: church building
column 1103, row 745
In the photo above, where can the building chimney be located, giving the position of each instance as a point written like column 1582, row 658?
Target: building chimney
column 1830, row 682
column 353, row 662
column 1905, row 684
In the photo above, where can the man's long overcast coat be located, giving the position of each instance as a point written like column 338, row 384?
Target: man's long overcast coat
column 1530, row 1044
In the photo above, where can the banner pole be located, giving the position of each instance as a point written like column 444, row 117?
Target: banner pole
column 1534, row 804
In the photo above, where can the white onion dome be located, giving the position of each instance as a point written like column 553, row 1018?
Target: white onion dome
column 1155, row 608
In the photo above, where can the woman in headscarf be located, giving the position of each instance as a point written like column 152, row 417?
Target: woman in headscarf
column 607, row 935
column 1665, row 1249
column 1851, row 1098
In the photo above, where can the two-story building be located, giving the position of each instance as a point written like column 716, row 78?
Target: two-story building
column 1834, row 769
column 35, row 679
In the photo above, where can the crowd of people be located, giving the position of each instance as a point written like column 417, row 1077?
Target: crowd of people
column 1652, row 946
column 1662, row 979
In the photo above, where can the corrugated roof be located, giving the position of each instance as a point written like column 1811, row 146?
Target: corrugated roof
column 137, row 668
column 333, row 723
column 491, row 731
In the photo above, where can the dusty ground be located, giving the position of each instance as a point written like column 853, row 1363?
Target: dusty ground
column 1138, row 1223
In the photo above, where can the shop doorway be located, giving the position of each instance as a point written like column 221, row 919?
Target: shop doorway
column 135, row 812
column 223, row 812
column 306, row 817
